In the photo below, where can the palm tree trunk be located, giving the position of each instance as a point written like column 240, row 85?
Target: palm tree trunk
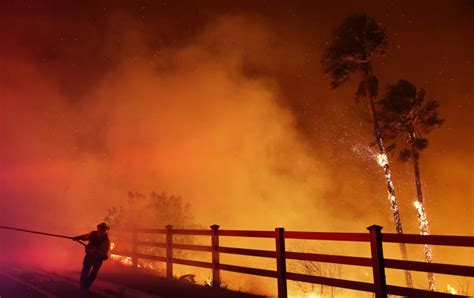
column 383, row 161
column 422, row 218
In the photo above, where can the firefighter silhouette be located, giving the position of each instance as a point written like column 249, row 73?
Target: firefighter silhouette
column 96, row 252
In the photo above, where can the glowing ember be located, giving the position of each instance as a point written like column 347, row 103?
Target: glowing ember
column 422, row 217
column 382, row 159
column 392, row 199
column 451, row 289
column 122, row 259
column 396, row 214
column 424, row 230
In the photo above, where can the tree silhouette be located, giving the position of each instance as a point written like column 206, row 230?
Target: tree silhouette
column 406, row 118
column 354, row 45
column 155, row 210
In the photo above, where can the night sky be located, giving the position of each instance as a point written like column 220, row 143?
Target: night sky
column 224, row 103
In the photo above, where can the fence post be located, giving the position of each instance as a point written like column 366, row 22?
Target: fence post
column 281, row 262
column 216, row 274
column 378, row 265
column 169, row 251
column 134, row 247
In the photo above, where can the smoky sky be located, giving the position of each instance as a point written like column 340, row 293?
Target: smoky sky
column 104, row 97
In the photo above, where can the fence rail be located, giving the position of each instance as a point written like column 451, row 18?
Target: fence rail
column 377, row 261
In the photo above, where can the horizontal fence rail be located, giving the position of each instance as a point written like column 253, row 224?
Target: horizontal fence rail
column 465, row 241
column 192, row 232
column 247, row 252
column 248, row 270
column 344, row 260
column 256, row 234
column 431, row 267
column 375, row 238
column 360, row 237
column 192, row 247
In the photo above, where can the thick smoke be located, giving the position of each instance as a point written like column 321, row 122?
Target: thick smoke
column 233, row 115
column 185, row 120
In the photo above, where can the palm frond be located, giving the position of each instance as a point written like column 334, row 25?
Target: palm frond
column 420, row 143
column 428, row 118
column 405, row 155
column 402, row 111
column 371, row 84
column 354, row 44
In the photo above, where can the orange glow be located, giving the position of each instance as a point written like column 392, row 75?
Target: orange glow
column 229, row 109
column 122, row 259
column 451, row 289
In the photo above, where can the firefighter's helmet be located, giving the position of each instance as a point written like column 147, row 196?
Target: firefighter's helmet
column 103, row 226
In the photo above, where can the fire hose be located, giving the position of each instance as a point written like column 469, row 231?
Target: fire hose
column 41, row 233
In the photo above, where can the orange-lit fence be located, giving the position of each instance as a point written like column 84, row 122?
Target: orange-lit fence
column 375, row 238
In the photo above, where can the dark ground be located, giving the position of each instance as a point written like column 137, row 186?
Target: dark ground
column 20, row 282
column 164, row 288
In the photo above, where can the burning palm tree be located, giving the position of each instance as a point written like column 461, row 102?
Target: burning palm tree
column 406, row 118
column 355, row 44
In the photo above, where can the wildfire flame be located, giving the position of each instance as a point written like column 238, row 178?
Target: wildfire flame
column 125, row 260
column 422, row 216
column 424, row 230
column 122, row 259
column 451, row 289
column 382, row 159
column 391, row 198
column 208, row 281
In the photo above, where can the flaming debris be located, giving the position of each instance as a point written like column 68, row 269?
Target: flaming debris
column 424, row 230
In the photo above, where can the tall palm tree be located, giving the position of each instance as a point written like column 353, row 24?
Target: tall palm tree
column 406, row 117
column 354, row 45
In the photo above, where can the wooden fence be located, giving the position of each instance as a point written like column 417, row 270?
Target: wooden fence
column 377, row 261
